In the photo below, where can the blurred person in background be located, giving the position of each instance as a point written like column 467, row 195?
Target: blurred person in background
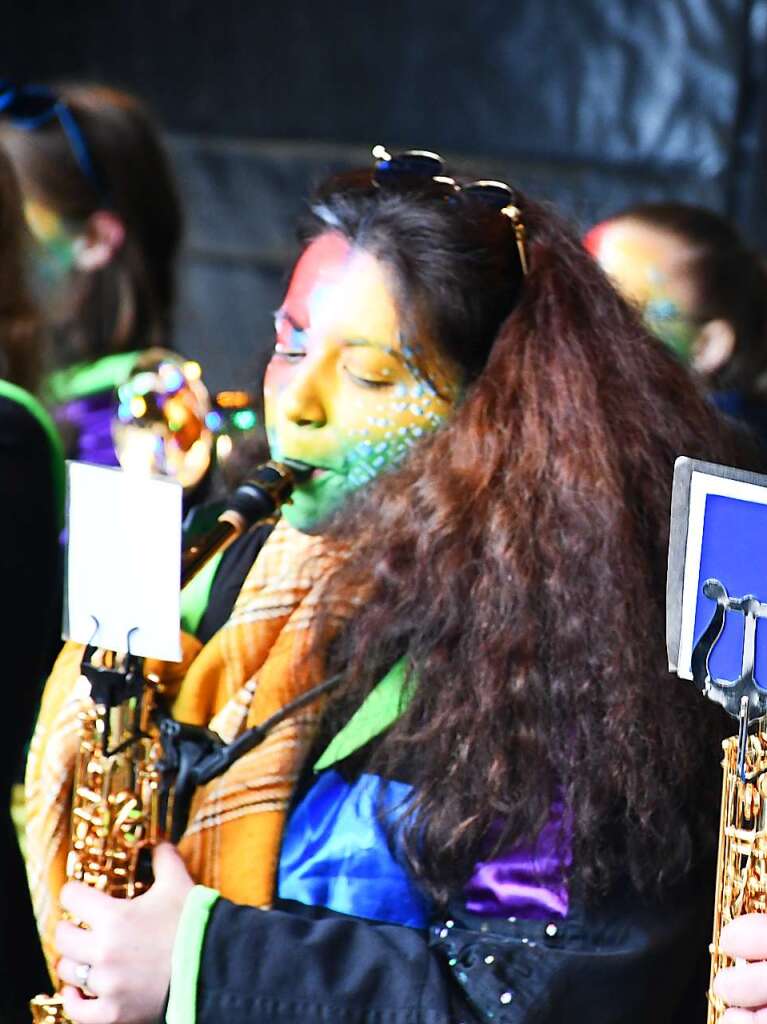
column 101, row 203
column 31, row 507
column 702, row 290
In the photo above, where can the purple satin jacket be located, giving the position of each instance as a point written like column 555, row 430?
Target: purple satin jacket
column 527, row 881
column 90, row 420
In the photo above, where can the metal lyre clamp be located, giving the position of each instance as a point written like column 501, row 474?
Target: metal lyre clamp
column 114, row 683
column 742, row 698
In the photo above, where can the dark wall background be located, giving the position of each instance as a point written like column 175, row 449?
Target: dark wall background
column 591, row 103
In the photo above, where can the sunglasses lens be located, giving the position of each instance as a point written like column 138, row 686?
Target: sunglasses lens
column 408, row 169
column 495, row 194
column 421, row 171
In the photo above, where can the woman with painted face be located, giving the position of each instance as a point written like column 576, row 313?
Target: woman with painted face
column 101, row 204
column 506, row 807
column 702, row 290
column 31, row 509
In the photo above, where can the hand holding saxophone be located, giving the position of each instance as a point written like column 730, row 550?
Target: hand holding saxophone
column 115, row 948
column 744, row 987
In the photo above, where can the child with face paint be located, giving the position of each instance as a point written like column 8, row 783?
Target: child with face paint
column 701, row 290
column 101, row 206
column 31, row 507
column 507, row 804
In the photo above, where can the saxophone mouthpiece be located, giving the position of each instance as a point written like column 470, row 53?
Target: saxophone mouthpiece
column 300, row 470
column 268, row 487
column 257, row 499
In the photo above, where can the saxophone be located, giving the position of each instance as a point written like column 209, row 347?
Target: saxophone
column 122, row 802
column 741, row 880
column 741, row 874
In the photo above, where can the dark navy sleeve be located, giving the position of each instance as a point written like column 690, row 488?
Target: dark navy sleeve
column 295, row 964
column 631, row 964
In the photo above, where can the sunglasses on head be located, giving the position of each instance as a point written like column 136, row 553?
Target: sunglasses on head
column 33, row 106
column 421, row 170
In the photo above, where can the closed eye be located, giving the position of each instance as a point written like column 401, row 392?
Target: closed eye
column 365, row 382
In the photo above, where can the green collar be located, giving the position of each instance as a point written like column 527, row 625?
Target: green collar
column 196, row 594
column 84, row 379
column 380, row 709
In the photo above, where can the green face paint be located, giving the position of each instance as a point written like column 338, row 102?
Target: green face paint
column 53, row 255
column 664, row 318
column 343, row 392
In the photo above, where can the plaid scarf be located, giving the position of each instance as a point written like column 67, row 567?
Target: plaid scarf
column 263, row 657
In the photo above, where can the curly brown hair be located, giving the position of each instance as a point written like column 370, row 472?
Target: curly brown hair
column 519, row 555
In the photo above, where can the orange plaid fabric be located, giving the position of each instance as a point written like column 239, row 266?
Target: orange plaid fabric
column 263, row 657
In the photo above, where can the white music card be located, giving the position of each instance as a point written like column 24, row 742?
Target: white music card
column 123, row 561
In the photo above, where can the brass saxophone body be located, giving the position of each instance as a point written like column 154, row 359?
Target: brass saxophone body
column 120, row 808
column 741, row 874
column 115, row 807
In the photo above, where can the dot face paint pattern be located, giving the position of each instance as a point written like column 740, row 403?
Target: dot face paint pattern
column 344, row 392
column 648, row 266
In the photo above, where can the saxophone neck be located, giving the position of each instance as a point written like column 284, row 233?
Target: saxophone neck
column 258, row 499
